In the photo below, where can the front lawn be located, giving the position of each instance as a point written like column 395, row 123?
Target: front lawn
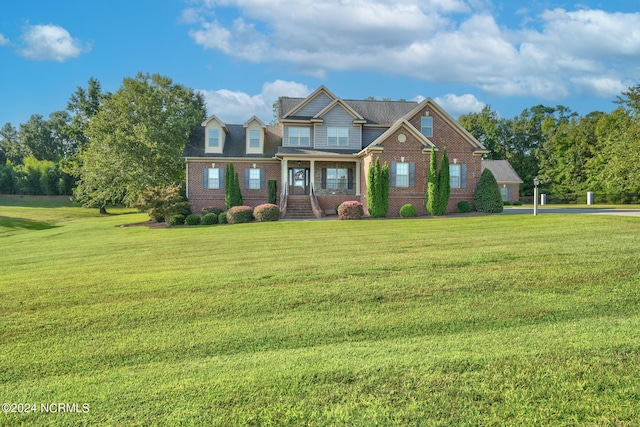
column 479, row 320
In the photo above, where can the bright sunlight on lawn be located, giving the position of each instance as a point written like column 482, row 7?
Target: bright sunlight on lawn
column 479, row 320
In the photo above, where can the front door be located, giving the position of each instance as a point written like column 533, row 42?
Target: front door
column 299, row 181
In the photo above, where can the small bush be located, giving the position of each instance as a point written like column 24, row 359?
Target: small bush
column 176, row 220
column 239, row 215
column 464, row 207
column 351, row 210
column 517, row 203
column 408, row 211
column 506, row 203
column 266, row 212
column 212, row 209
column 209, row 219
column 222, row 218
column 193, row 220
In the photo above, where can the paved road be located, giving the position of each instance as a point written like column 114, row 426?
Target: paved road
column 545, row 210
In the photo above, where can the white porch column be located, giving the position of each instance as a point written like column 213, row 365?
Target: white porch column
column 358, row 165
column 284, row 176
column 312, row 172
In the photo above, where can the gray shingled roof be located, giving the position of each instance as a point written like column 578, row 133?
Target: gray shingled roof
column 383, row 113
column 235, row 144
column 501, row 170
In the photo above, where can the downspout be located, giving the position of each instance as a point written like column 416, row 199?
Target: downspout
column 186, row 185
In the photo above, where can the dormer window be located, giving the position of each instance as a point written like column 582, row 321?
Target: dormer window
column 426, row 126
column 214, row 138
column 214, row 135
column 254, row 134
column 254, row 139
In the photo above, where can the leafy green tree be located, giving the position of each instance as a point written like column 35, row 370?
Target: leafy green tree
column 161, row 203
column 487, row 128
column 444, row 184
column 432, row 184
column 10, row 144
column 487, row 196
column 137, row 139
column 83, row 105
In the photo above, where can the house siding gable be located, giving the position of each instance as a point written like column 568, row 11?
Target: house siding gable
column 314, row 106
column 338, row 117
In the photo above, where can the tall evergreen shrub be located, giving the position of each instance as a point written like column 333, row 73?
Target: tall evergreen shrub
column 432, row 184
column 487, row 196
column 232, row 193
column 444, row 184
column 272, row 189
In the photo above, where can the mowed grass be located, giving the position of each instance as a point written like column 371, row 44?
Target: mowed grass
column 487, row 320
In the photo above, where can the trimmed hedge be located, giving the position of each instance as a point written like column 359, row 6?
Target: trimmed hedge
column 487, row 196
column 193, row 220
column 266, row 212
column 464, row 207
column 408, row 211
column 222, row 218
column 176, row 220
column 239, row 215
column 209, row 219
column 212, row 209
column 351, row 210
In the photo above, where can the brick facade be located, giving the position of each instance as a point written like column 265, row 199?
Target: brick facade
column 200, row 197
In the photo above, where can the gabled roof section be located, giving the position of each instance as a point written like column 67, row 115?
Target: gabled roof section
column 254, row 119
column 321, row 90
column 408, row 127
column 502, row 171
column 342, row 104
column 213, row 118
column 450, row 120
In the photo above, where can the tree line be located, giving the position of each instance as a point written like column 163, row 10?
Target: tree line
column 105, row 148
column 569, row 153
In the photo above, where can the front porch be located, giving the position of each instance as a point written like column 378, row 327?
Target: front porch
column 327, row 179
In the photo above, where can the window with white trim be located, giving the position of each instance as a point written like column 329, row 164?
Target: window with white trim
column 213, row 178
column 402, row 174
column 299, row 136
column 254, row 139
column 426, row 126
column 214, row 138
column 455, row 176
column 338, row 137
column 254, row 179
column 505, row 192
column 337, row 178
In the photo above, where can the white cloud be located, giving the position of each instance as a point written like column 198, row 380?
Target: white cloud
column 458, row 105
column 238, row 107
column 3, row 40
column 50, row 43
column 555, row 54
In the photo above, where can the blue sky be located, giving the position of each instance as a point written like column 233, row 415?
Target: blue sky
column 242, row 54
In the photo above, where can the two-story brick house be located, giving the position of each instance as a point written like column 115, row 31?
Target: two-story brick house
column 322, row 148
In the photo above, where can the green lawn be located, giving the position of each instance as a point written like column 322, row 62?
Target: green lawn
column 465, row 321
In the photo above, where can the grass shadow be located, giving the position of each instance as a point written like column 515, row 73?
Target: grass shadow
column 28, row 224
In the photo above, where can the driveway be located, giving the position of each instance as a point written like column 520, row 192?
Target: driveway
column 545, row 210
